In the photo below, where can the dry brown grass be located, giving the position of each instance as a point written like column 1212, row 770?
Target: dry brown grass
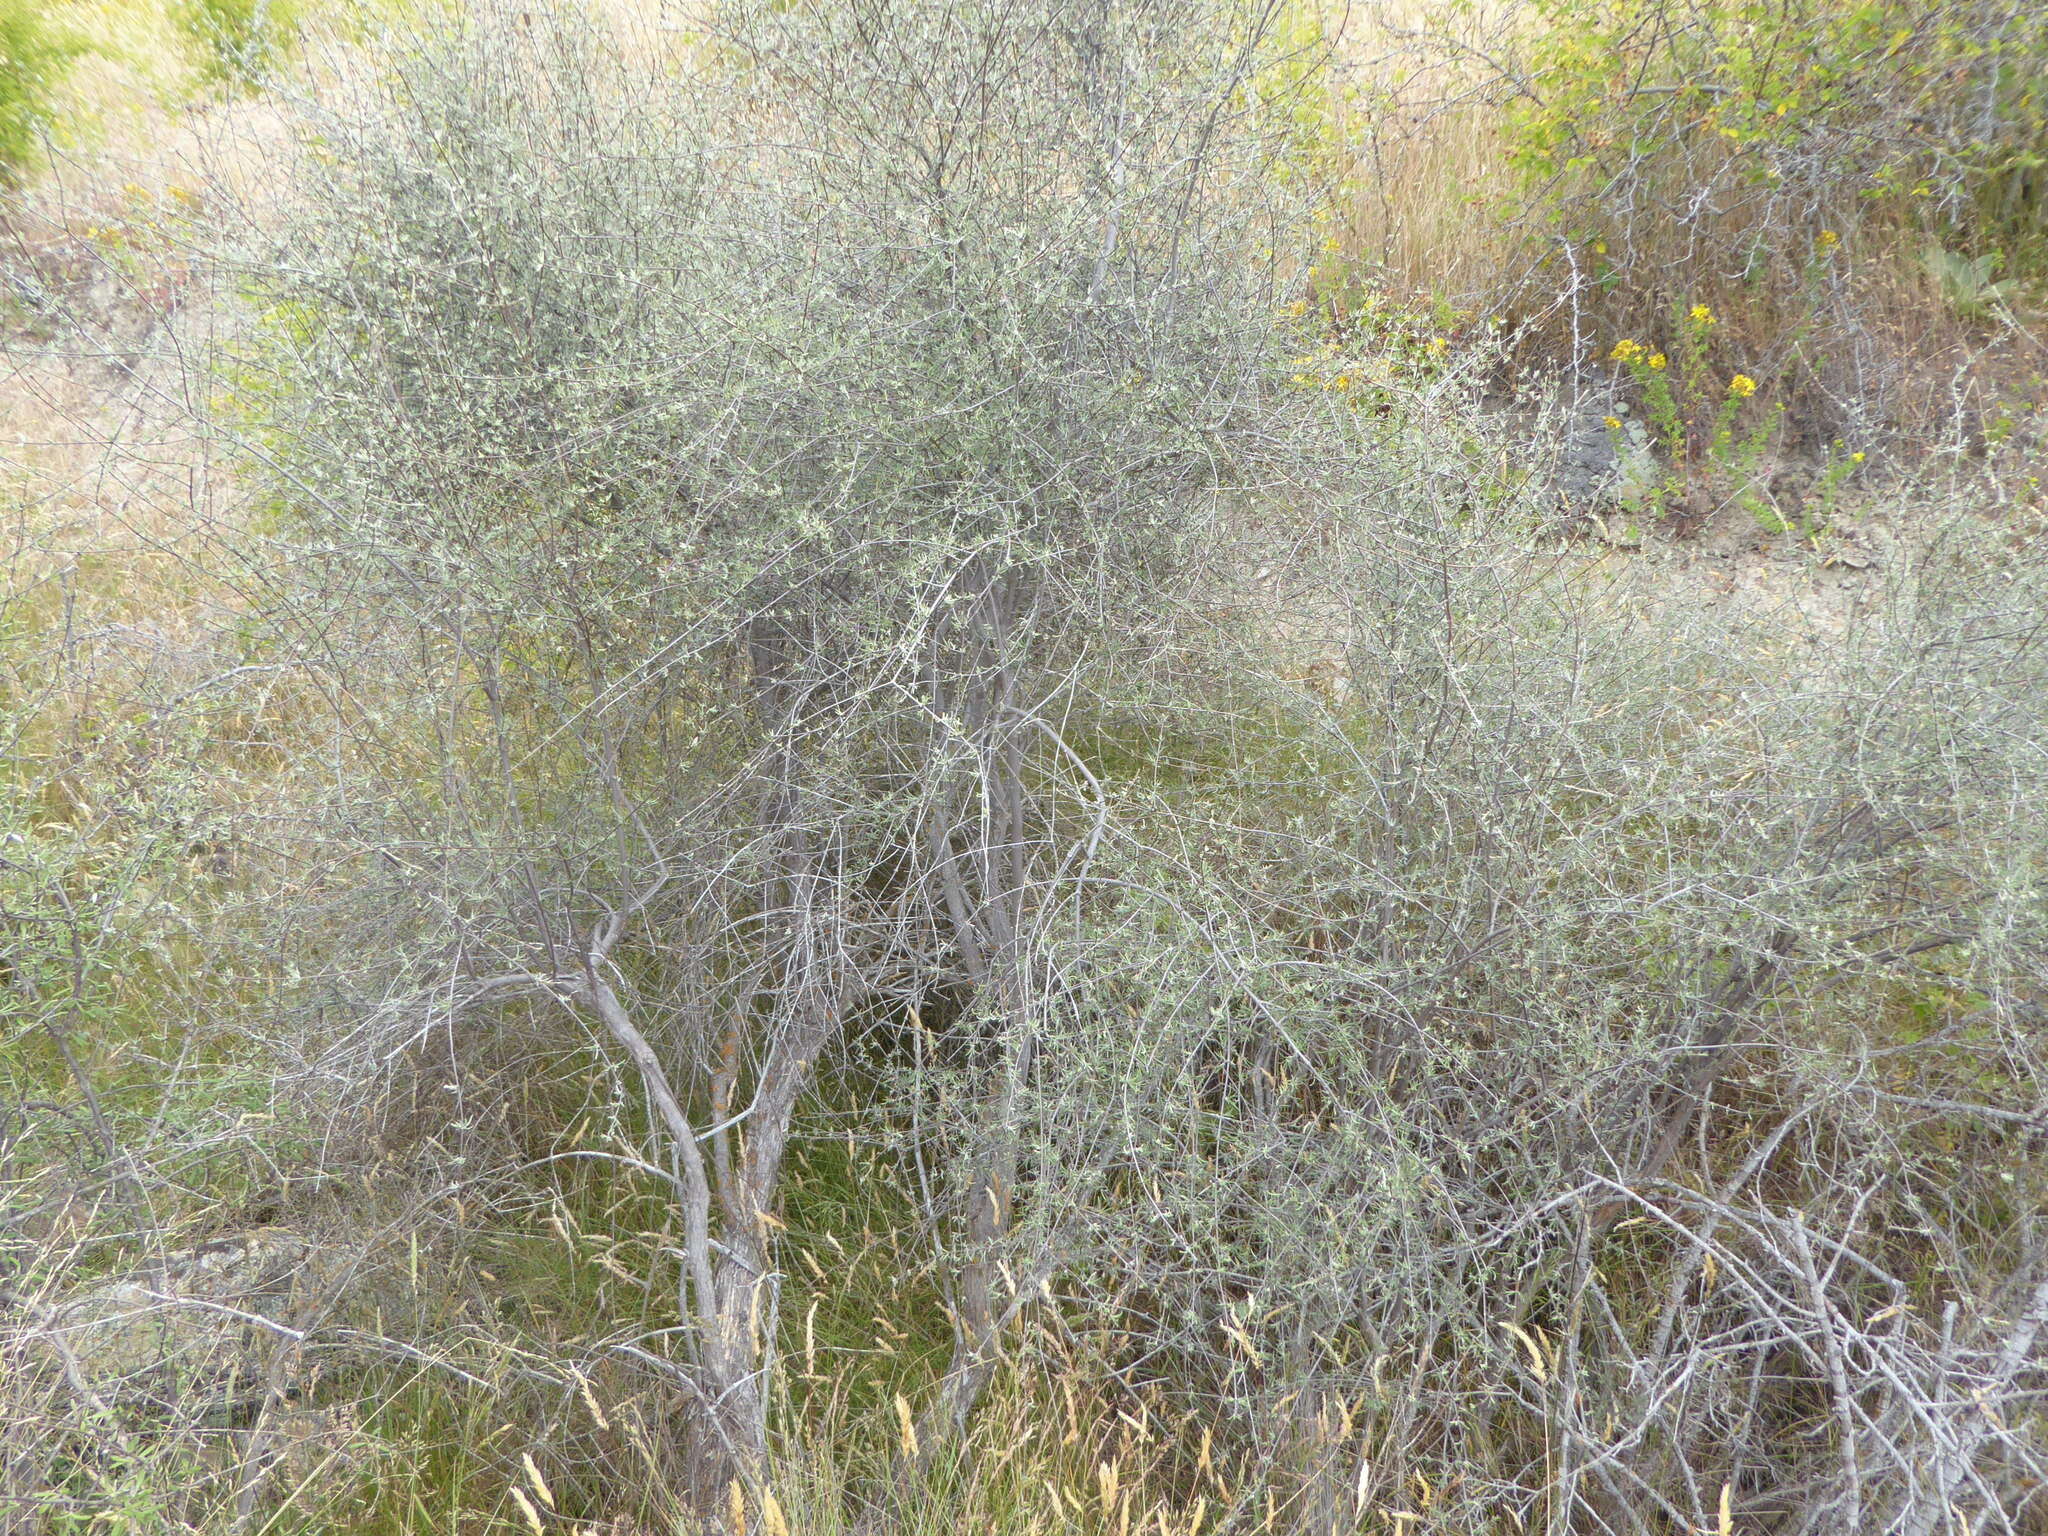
column 1425, row 163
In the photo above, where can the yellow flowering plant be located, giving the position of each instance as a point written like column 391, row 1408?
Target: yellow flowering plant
column 1705, row 429
column 1361, row 344
column 1821, row 501
column 1767, row 141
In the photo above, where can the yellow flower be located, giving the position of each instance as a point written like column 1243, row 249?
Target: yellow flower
column 1702, row 315
column 1342, row 381
column 1829, row 237
column 1599, row 247
column 1614, row 423
column 1626, row 351
column 1742, row 385
column 1856, row 458
column 1439, row 345
column 1658, row 361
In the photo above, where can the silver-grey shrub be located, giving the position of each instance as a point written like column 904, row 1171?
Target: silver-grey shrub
column 714, row 475
column 801, row 519
column 1608, row 1074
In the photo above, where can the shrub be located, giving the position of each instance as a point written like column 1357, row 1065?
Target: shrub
column 1582, row 169
column 34, row 56
column 240, row 42
column 1740, row 152
column 780, row 537
column 791, row 455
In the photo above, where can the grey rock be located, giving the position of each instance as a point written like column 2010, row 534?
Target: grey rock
column 1589, row 461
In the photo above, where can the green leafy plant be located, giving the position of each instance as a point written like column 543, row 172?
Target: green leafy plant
column 1761, row 135
column 1820, row 505
column 34, row 56
column 240, row 42
column 750, row 718
column 1966, row 282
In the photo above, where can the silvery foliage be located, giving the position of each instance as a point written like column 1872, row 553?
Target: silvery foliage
column 722, row 475
column 592, row 366
column 1572, row 1114
column 771, row 493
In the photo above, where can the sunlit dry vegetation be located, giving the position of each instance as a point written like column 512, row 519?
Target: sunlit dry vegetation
column 1063, row 766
